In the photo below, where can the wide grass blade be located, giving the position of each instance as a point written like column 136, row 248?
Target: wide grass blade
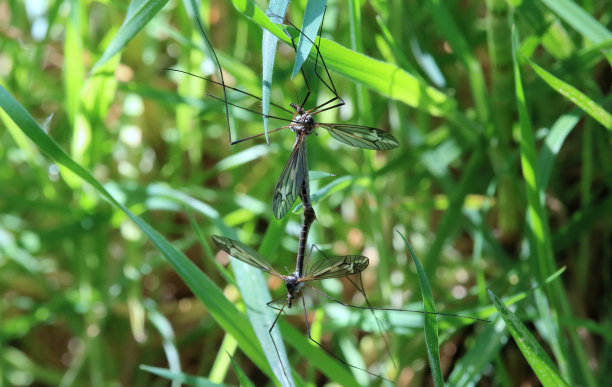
column 576, row 96
column 139, row 14
column 431, row 320
column 578, row 18
column 313, row 15
column 533, row 352
column 224, row 312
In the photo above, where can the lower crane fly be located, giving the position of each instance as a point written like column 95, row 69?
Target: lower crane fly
column 333, row 267
column 302, row 123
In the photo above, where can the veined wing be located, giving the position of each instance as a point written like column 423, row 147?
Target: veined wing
column 336, row 267
column 361, row 136
column 291, row 179
column 244, row 253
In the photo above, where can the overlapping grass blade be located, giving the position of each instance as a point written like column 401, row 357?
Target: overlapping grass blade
column 431, row 321
column 578, row 18
column 533, row 352
column 576, row 96
column 139, row 14
column 207, row 292
column 385, row 78
column 313, row 15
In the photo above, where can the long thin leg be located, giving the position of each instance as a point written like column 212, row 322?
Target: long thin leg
column 361, row 289
column 225, row 87
column 270, row 303
column 331, row 85
column 221, row 75
column 396, row 309
column 301, row 105
column 328, row 352
column 274, row 342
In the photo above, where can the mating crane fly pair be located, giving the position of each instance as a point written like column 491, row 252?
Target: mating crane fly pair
column 295, row 172
column 293, row 183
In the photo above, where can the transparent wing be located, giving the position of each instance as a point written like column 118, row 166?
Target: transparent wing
column 361, row 136
column 336, row 267
column 244, row 253
column 291, row 179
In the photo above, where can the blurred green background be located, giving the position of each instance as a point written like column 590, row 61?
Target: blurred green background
column 492, row 189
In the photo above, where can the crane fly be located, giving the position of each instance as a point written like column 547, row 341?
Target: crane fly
column 333, row 267
column 302, row 123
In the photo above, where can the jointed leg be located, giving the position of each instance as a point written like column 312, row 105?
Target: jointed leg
column 328, row 352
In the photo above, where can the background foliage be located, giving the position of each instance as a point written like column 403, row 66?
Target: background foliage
column 503, row 175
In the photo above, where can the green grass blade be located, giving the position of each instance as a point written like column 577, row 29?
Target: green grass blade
column 163, row 326
column 552, row 145
column 255, row 295
column 196, row 381
column 576, row 96
column 137, row 17
column 431, row 321
column 533, row 352
column 268, row 52
column 579, row 19
column 454, row 35
column 469, row 369
column 242, row 377
column 313, row 15
column 224, row 312
column 74, row 75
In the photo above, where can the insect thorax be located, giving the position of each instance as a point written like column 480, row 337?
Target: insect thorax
column 302, row 121
column 293, row 286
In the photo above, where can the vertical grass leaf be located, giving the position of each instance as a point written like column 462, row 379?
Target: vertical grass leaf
column 135, row 20
column 255, row 295
column 313, row 16
column 533, row 352
column 574, row 95
column 275, row 12
column 163, row 326
column 242, row 377
column 431, row 322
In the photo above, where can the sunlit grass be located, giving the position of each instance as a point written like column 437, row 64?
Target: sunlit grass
column 499, row 181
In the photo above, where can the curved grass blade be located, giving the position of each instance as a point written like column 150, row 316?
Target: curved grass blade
column 313, row 16
column 222, row 310
column 268, row 51
column 535, row 355
column 196, row 381
column 139, row 14
column 163, row 326
column 576, row 96
column 431, row 321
